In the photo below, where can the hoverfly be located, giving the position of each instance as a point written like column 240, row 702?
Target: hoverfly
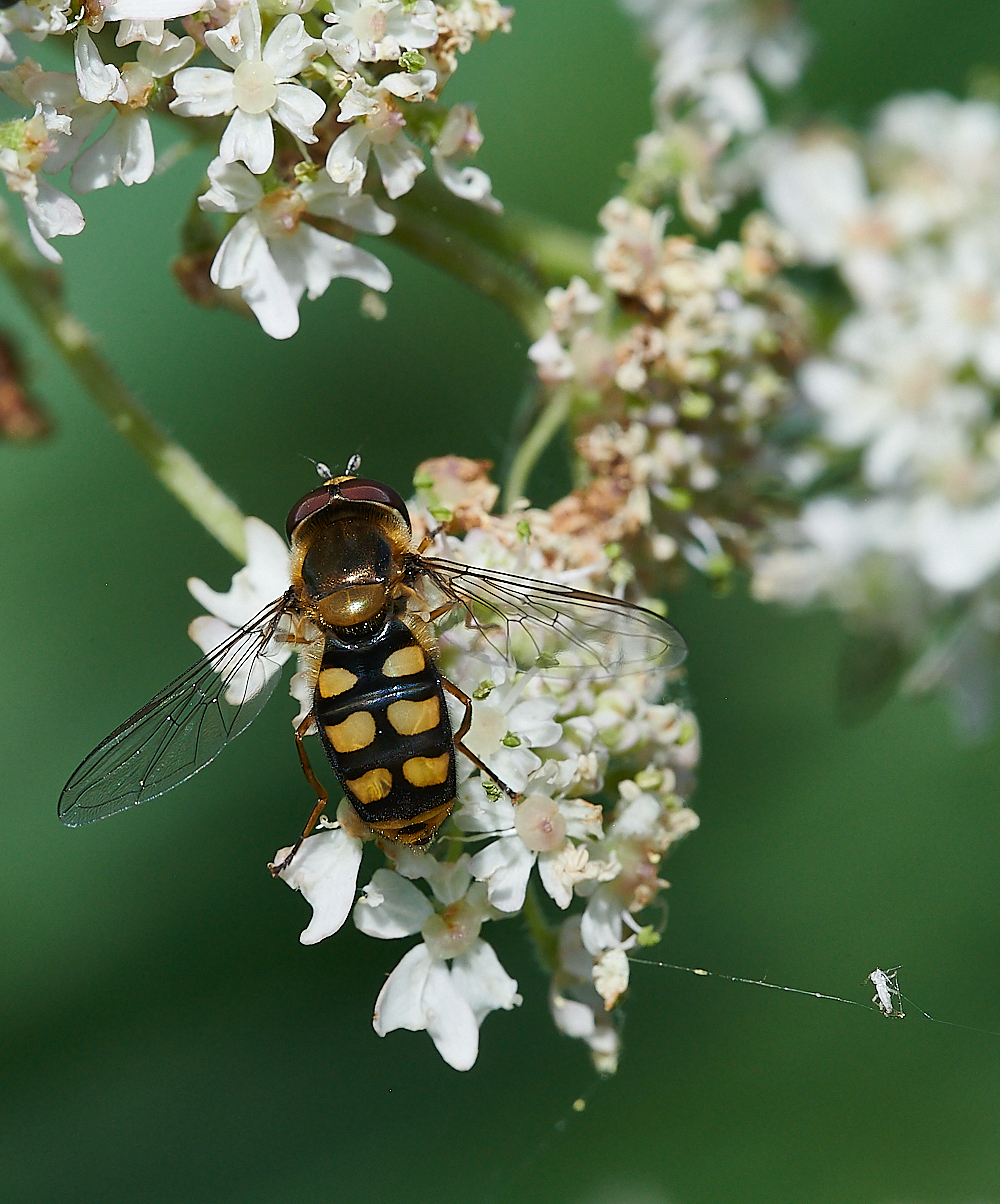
column 364, row 601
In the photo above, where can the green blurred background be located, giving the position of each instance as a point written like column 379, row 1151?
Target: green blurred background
column 164, row 1035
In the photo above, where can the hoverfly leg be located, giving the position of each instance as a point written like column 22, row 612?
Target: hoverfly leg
column 463, row 731
column 322, row 798
column 429, row 538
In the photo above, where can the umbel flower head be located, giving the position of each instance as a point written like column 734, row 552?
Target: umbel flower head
column 903, row 398
column 282, row 90
column 688, row 357
column 584, row 874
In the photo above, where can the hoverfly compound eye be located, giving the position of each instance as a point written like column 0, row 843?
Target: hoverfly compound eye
column 306, row 506
column 361, row 489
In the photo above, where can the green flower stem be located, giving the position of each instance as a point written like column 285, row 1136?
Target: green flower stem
column 176, row 469
column 546, row 250
column 424, row 233
column 552, row 417
column 543, row 936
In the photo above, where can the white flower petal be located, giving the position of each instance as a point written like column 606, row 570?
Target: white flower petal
column 86, row 119
column 237, row 41
column 267, row 292
column 400, row 163
column 168, row 56
column 326, row 199
column 124, row 153
column 150, row 10
column 601, row 924
column 44, row 248
column 145, row 32
column 400, row 1002
column 505, row 866
column 202, row 92
column 325, row 870
column 347, row 159
column 263, row 578
column 344, row 54
column 449, row 1019
column 484, row 984
column 54, row 212
column 311, row 259
column 298, row 109
column 413, row 87
column 289, row 48
column 98, row 81
column 469, row 183
column 234, row 189
column 250, row 137
column 400, row 911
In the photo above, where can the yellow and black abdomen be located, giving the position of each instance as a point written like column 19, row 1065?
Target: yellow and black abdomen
column 381, row 714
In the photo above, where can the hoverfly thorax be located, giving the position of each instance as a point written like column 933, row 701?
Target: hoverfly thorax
column 347, row 542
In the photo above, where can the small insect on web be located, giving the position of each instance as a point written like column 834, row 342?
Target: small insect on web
column 887, row 996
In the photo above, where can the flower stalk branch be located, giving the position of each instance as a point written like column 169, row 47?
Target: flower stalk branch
column 175, row 468
column 555, row 413
column 435, row 239
column 550, row 252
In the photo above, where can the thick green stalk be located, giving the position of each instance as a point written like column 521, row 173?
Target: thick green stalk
column 552, row 417
column 434, row 239
column 548, row 251
column 171, row 463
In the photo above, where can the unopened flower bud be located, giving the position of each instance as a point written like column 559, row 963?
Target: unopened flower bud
column 539, row 824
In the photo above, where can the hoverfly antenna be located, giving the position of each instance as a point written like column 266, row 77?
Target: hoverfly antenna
column 353, row 464
column 322, row 470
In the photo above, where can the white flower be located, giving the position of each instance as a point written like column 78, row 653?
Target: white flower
column 377, row 127
column 372, row 30
column 818, row 191
column 535, row 830
column 460, row 137
column 325, row 870
column 258, row 88
column 49, row 211
column 264, row 578
column 577, row 1009
column 274, row 257
column 505, row 729
column 450, row 1002
column 125, row 152
column 38, row 19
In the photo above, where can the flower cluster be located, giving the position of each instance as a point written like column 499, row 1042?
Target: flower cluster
column 306, row 94
column 678, row 369
column 716, row 59
column 560, row 742
column 905, row 399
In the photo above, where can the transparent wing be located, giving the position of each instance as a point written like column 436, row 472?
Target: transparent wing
column 184, row 727
column 549, row 626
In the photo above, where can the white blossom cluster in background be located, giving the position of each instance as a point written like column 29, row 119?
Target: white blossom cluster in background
column 679, row 368
column 584, row 875
column 906, row 393
column 303, row 98
column 715, row 59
